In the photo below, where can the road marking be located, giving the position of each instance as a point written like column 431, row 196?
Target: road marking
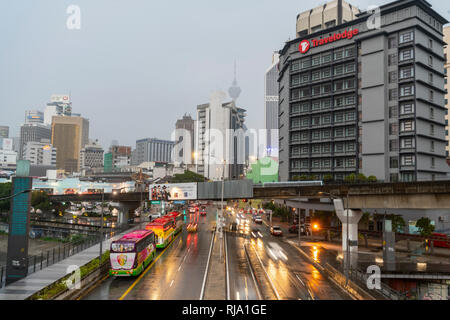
column 246, row 289
column 237, row 295
column 149, row 267
column 179, row 267
column 171, row 283
column 268, row 277
column 207, row 267
column 300, row 280
column 93, row 287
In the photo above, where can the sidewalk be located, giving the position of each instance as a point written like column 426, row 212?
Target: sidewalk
column 37, row 281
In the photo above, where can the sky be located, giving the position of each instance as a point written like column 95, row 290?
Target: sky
column 136, row 66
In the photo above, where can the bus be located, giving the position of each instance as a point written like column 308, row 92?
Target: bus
column 132, row 253
column 177, row 219
column 164, row 231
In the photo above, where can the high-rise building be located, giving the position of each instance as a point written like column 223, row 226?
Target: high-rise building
column 40, row 153
column 121, row 156
column 184, row 139
column 447, row 89
column 59, row 105
column 153, row 149
column 33, row 133
column 220, row 137
column 325, row 16
column 34, row 117
column 4, row 132
column 8, row 159
column 91, row 156
column 271, row 106
column 69, row 136
column 359, row 97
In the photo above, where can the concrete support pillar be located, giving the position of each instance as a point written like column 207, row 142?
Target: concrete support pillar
column 353, row 217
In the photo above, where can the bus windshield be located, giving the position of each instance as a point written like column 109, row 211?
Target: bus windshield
column 122, row 246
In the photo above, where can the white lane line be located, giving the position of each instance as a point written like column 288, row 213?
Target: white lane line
column 171, row 283
column 202, row 292
column 179, row 268
column 300, row 280
column 267, row 275
column 237, row 295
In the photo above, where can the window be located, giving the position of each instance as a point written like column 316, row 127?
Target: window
column 326, row 58
column 304, row 107
column 306, row 63
column 316, row 164
column 407, row 108
column 407, row 90
column 407, row 126
column 304, row 164
column 295, row 108
column 350, row 163
column 408, row 160
column 338, row 163
column 295, row 66
column 316, row 91
column 326, row 163
column 408, row 143
column 326, row 148
column 406, row 72
column 326, row 104
column 393, row 94
column 349, row 84
column 350, row 116
column 349, row 67
column 338, row 85
column 338, row 70
column 349, row 100
column 430, row 60
column 339, row 147
column 326, row 73
column 304, row 150
column 431, row 113
column 326, row 134
column 326, row 88
column 393, row 145
column 406, row 54
column 430, row 44
column 315, row 148
column 393, row 129
column 392, row 76
column 315, row 61
column 304, row 136
column 315, row 121
column 432, row 163
column 339, row 117
column 392, row 42
column 431, row 95
column 392, row 59
column 430, row 77
column 338, row 102
column 349, row 52
column 338, row 132
column 432, row 129
column 316, row 135
column 326, row 119
column 393, row 112
column 304, row 77
column 351, row 147
column 432, row 146
column 304, row 122
column 315, row 106
column 406, row 37
column 315, row 75
column 393, row 163
column 339, row 54
column 350, row 132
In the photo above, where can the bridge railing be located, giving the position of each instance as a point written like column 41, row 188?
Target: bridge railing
column 49, row 257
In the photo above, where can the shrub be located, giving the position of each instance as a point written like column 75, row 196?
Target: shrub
column 372, row 179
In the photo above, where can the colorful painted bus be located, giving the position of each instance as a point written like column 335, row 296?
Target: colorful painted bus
column 177, row 219
column 164, row 231
column 132, row 253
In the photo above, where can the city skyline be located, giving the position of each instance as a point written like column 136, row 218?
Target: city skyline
column 120, row 89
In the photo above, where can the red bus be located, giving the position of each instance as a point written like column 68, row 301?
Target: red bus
column 132, row 253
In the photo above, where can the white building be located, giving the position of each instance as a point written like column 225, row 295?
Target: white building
column 216, row 125
column 8, row 159
column 271, row 106
column 40, row 153
column 91, row 156
column 59, row 105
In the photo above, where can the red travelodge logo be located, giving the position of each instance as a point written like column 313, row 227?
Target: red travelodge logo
column 305, row 45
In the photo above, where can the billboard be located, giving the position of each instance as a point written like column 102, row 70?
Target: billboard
column 62, row 98
column 7, row 144
column 173, row 191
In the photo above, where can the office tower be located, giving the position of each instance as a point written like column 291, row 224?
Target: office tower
column 33, row 132
column 40, row 153
column 4, row 132
column 184, row 139
column 69, row 136
column 271, row 106
column 91, row 156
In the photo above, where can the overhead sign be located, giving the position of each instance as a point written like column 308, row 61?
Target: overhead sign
column 173, row 191
column 305, row 45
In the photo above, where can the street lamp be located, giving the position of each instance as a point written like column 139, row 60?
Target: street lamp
column 347, row 246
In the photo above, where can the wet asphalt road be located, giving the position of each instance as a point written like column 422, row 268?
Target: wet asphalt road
column 177, row 273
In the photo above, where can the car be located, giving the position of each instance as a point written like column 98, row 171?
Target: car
column 303, row 230
column 256, row 233
column 257, row 219
column 275, row 251
column 276, row 231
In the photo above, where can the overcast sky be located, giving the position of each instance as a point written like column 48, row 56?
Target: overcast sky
column 136, row 66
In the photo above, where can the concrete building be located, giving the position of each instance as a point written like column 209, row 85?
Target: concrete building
column 69, row 136
column 358, row 99
column 8, row 159
column 220, row 136
column 271, row 106
column 4, row 132
column 184, row 139
column 91, row 156
column 447, row 87
column 120, row 156
column 34, row 117
column 40, row 153
column 34, row 132
column 325, row 16
column 59, row 105
column 153, row 149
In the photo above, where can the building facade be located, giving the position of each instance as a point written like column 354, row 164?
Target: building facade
column 33, row 133
column 34, row 117
column 153, row 149
column 271, row 106
column 69, row 136
column 447, row 87
column 40, row 153
column 8, row 159
column 220, row 136
column 120, row 156
column 355, row 98
column 184, row 141
column 4, row 132
column 91, row 156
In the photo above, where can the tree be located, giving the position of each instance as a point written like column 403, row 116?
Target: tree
column 187, row 176
column 350, row 178
column 5, row 191
column 372, row 179
column 425, row 226
column 40, row 200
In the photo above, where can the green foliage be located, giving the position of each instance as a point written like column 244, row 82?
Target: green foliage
column 350, row 178
column 40, row 200
column 372, row 179
column 328, row 178
column 425, row 226
column 269, row 206
column 361, row 177
column 187, row 176
column 5, row 191
column 58, row 287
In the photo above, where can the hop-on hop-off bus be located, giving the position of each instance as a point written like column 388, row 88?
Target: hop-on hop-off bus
column 163, row 228
column 177, row 218
column 132, row 253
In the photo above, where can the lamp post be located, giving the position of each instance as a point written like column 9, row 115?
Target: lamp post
column 347, row 246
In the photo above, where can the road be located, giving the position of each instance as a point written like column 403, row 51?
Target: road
column 294, row 278
column 176, row 274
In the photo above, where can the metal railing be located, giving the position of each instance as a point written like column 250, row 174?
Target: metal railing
column 49, row 257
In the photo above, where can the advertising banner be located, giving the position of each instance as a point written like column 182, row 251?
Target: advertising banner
column 173, row 191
